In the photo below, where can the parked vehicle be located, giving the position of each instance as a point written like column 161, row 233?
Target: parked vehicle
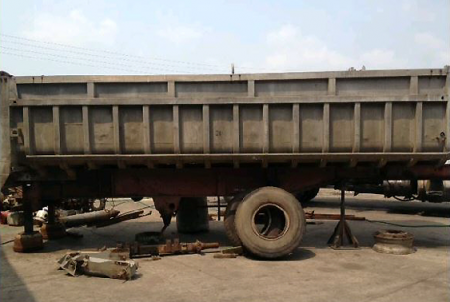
column 258, row 137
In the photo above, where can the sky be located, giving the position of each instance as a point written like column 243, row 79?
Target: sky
column 48, row 37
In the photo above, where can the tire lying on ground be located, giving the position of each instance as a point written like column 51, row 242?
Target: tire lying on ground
column 192, row 215
column 230, row 214
column 270, row 222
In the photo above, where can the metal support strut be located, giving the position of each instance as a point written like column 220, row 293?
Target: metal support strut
column 29, row 240
column 342, row 229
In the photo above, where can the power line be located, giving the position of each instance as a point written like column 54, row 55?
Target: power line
column 221, row 67
column 108, row 52
column 66, row 62
column 108, row 57
column 88, row 60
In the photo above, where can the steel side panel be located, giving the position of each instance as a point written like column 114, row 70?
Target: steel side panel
column 290, row 116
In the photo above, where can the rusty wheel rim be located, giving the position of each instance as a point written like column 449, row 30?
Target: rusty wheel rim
column 270, row 222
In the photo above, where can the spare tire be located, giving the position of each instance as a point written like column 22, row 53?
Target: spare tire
column 230, row 214
column 270, row 222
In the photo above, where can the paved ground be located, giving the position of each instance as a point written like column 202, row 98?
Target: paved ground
column 313, row 273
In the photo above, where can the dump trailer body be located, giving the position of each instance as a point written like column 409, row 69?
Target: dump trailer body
column 219, row 135
column 351, row 117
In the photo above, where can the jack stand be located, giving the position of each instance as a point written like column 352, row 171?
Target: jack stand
column 342, row 229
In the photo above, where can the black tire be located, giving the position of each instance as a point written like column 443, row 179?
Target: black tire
column 285, row 225
column 136, row 199
column 192, row 215
column 307, row 196
column 230, row 214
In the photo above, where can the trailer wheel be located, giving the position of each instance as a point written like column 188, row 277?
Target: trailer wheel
column 270, row 222
column 307, row 196
column 192, row 215
column 230, row 214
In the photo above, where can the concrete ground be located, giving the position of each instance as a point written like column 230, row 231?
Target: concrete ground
column 313, row 272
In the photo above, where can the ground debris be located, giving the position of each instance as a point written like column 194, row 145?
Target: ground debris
column 112, row 263
column 174, row 247
column 232, row 252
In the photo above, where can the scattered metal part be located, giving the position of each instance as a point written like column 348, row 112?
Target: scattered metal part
column 122, row 217
column 109, row 268
column 84, row 263
column 68, row 264
column 170, row 248
column 148, row 238
column 394, row 242
column 110, row 262
column 312, row 215
column 233, row 250
column 88, row 218
column 117, row 253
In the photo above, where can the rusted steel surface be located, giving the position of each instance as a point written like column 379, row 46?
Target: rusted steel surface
column 28, row 242
column 319, row 216
column 199, row 182
column 91, row 218
column 394, row 242
column 97, row 264
column 170, row 248
column 122, row 217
